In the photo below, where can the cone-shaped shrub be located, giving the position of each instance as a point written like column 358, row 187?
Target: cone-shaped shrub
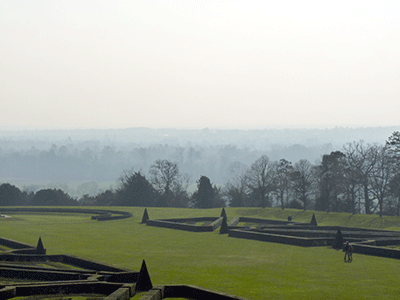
column 144, row 282
column 224, row 226
column 314, row 220
column 145, row 216
column 39, row 248
column 223, row 212
column 338, row 242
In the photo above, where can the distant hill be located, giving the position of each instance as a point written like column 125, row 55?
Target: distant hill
column 82, row 160
column 251, row 138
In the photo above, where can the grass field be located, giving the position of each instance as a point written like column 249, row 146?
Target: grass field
column 252, row 269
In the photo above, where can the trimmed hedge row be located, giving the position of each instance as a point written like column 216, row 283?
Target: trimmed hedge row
column 102, row 288
column 113, row 290
column 8, row 292
column 66, row 259
column 234, row 221
column 14, row 244
column 101, row 214
column 178, row 224
column 88, row 264
column 90, row 273
column 39, row 275
column 122, row 293
column 376, row 251
column 327, row 233
column 262, row 221
column 153, row 294
column 275, row 238
column 186, row 292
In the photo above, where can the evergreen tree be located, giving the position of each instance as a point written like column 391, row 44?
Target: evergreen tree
column 224, row 226
column 204, row 196
column 145, row 216
column 314, row 220
column 52, row 197
column 135, row 190
column 338, row 242
column 11, row 195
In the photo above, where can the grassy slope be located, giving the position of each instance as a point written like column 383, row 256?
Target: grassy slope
column 252, row 269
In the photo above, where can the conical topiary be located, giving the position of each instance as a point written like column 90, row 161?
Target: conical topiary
column 144, row 282
column 314, row 220
column 145, row 216
column 338, row 242
column 39, row 248
column 223, row 213
column 224, row 226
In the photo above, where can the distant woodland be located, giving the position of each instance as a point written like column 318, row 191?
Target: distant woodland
column 328, row 170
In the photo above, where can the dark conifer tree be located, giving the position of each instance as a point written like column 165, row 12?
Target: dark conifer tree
column 144, row 281
column 145, row 216
column 338, row 242
column 52, row 197
column 223, row 212
column 204, row 196
column 224, row 226
column 10, row 195
column 314, row 220
column 40, row 248
column 135, row 190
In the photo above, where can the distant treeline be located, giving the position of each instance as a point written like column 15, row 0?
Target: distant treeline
column 88, row 161
column 92, row 161
column 360, row 178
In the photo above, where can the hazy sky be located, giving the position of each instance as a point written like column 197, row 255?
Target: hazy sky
column 196, row 64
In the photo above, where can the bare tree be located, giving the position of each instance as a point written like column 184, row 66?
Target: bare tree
column 394, row 187
column 393, row 147
column 260, row 180
column 282, row 178
column 331, row 182
column 361, row 160
column 235, row 188
column 168, row 181
column 381, row 177
column 302, row 181
column 163, row 175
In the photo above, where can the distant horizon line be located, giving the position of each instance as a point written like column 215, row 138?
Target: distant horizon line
column 13, row 128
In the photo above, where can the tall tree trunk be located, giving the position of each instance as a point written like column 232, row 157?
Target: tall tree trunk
column 367, row 202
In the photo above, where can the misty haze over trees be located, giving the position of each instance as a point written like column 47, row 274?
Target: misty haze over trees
column 353, row 170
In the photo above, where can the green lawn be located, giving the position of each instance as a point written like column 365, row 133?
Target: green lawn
column 252, row 269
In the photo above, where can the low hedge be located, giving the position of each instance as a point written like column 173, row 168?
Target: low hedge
column 39, row 275
column 8, row 292
column 261, row 221
column 90, row 273
column 376, row 251
column 67, row 288
column 120, row 294
column 234, row 221
column 195, row 292
column 282, row 239
column 153, row 294
column 101, row 214
column 88, row 264
column 14, row 244
column 66, row 259
column 180, row 225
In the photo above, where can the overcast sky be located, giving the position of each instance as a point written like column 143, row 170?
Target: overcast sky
column 195, row 64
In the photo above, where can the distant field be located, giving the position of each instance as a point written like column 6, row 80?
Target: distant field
column 252, row 269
